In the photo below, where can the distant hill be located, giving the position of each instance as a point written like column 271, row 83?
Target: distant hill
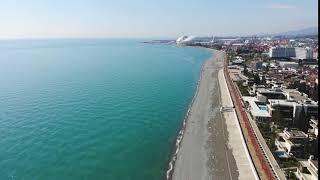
column 306, row 31
column 311, row 31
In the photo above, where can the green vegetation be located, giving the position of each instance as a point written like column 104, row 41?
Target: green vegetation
column 243, row 89
column 287, row 162
column 290, row 175
column 256, row 79
column 248, row 61
column 277, row 119
column 269, row 134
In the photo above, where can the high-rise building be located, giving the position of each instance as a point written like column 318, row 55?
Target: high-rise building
column 304, row 53
column 291, row 52
column 282, row 52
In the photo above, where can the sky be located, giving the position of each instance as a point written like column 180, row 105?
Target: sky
column 152, row 18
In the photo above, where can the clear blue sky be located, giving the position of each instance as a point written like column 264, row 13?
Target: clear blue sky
column 152, row 18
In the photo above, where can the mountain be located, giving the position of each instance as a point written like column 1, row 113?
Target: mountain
column 302, row 32
column 306, row 31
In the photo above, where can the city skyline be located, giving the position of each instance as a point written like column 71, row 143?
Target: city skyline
column 151, row 19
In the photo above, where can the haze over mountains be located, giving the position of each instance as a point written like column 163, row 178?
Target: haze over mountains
column 305, row 31
column 300, row 32
column 310, row 31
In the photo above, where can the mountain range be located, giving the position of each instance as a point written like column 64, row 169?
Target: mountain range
column 305, row 31
column 301, row 32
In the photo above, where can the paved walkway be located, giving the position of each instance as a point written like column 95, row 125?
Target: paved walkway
column 236, row 141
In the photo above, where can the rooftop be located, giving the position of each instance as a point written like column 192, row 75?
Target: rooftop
column 314, row 162
column 268, row 90
column 315, row 121
column 295, row 134
column 297, row 96
column 255, row 109
column 282, row 102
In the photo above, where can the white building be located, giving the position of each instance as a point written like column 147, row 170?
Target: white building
column 291, row 141
column 289, row 102
column 291, row 52
column 308, row 170
column 315, row 54
column 304, row 53
column 314, row 127
column 258, row 108
column 287, row 64
column 237, row 60
column 291, row 110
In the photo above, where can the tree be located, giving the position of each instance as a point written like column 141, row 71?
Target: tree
column 267, row 68
column 263, row 80
column 302, row 120
column 245, row 70
column 314, row 147
column 277, row 118
column 256, row 79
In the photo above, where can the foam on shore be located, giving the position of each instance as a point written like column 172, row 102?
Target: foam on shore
column 181, row 132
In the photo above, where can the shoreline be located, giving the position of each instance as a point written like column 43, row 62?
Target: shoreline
column 196, row 151
column 179, row 138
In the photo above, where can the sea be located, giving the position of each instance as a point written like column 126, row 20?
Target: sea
column 92, row 108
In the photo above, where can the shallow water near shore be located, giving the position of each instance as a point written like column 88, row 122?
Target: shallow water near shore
column 92, row 109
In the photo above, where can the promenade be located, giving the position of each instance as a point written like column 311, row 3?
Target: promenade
column 235, row 140
column 260, row 160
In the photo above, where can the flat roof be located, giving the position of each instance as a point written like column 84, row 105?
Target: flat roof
column 268, row 90
column 287, row 62
column 314, row 120
column 285, row 102
column 296, row 95
column 255, row 110
column 315, row 163
column 282, row 102
column 295, row 134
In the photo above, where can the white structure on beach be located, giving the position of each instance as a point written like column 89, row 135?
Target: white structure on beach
column 189, row 40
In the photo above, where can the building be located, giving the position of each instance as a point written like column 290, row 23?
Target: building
column 291, row 52
column 269, row 93
column 282, row 52
column 294, row 107
column 304, row 53
column 237, row 61
column 288, row 64
column 292, row 142
column 258, row 108
column 296, row 114
column 315, row 53
column 256, row 64
column 314, row 130
column 308, row 170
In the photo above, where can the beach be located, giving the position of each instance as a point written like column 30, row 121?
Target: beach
column 211, row 148
column 202, row 153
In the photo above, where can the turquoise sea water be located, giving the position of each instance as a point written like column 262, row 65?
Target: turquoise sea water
column 92, row 109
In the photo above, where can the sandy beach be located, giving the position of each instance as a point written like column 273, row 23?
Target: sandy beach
column 205, row 150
